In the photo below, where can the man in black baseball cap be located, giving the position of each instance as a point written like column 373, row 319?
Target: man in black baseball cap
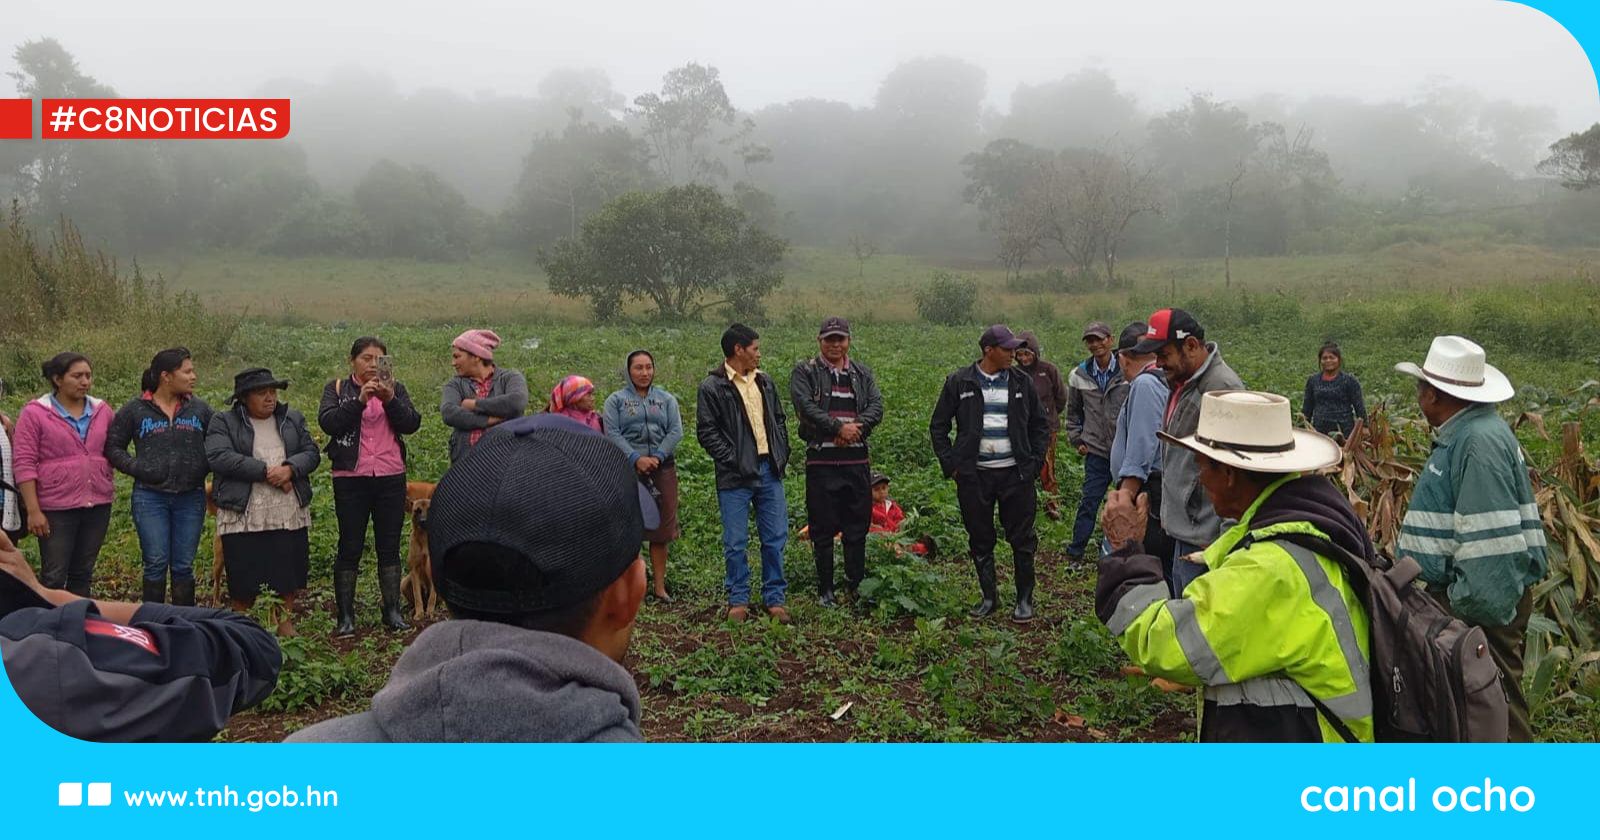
column 1001, row 436
column 836, row 405
column 535, row 543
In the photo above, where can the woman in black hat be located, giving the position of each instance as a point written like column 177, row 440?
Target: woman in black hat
column 262, row 456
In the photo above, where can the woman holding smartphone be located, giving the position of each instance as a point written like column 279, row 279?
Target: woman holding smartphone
column 366, row 415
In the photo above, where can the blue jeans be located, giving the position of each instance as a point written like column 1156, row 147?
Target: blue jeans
column 772, row 524
column 1184, row 572
column 169, row 526
column 1096, row 478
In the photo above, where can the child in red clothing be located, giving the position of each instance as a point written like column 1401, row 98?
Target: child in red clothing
column 887, row 515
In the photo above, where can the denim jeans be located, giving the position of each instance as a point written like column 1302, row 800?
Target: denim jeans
column 169, row 526
column 1184, row 572
column 1096, row 478
column 772, row 525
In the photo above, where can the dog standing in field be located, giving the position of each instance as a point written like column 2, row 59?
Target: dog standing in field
column 417, row 586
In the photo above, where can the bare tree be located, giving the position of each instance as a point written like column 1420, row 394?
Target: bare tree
column 864, row 249
column 1227, row 225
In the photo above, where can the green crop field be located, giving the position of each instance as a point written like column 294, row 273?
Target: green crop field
column 913, row 666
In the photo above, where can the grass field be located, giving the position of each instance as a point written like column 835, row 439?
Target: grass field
column 915, row 667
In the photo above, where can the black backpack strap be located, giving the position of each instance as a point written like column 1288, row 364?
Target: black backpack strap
column 1320, row 545
column 1334, row 720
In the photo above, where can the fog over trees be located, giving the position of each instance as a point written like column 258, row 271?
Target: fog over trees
column 1075, row 173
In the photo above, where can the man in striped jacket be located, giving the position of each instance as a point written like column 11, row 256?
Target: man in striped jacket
column 1473, row 525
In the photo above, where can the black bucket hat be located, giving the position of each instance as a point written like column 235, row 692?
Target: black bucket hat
column 250, row 379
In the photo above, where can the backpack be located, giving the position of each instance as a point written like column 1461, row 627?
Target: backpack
column 1433, row 678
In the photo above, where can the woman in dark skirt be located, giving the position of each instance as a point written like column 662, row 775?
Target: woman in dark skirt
column 262, row 456
column 1333, row 401
column 643, row 420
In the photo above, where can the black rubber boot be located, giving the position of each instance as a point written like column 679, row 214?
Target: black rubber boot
column 1024, row 611
column 855, row 564
column 183, row 592
column 344, row 602
column 822, row 553
column 389, row 586
column 155, row 591
column 985, row 566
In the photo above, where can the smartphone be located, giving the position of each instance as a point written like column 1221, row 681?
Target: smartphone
column 386, row 369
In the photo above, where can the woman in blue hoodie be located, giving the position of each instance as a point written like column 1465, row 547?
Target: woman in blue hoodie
column 644, row 421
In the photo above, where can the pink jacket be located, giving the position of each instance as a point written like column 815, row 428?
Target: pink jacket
column 71, row 473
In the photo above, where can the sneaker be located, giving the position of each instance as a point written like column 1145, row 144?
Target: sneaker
column 826, row 600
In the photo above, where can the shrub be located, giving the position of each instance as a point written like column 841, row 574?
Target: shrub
column 947, row 299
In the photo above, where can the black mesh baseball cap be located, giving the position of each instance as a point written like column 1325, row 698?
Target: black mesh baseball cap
column 552, row 490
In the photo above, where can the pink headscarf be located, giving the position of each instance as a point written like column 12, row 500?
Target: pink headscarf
column 569, row 391
column 480, row 343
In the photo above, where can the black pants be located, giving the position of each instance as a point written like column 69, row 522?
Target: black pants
column 1014, row 493
column 355, row 500
column 1156, row 541
column 68, row 555
column 839, row 501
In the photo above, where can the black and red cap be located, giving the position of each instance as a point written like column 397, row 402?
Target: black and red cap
column 1167, row 326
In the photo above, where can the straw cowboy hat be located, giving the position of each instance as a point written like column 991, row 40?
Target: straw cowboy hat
column 1254, row 430
column 1456, row 366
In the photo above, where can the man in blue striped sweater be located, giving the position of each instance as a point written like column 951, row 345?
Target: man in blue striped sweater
column 1473, row 524
column 1001, row 438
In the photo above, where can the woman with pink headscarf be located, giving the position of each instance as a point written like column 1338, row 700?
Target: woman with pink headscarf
column 480, row 395
column 574, row 397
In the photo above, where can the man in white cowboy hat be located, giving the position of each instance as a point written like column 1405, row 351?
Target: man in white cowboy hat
column 1473, row 525
column 1272, row 624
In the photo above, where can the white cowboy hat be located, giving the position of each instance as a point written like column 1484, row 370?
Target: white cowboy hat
column 1456, row 367
column 1254, row 430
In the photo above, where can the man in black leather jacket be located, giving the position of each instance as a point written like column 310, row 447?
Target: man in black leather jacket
column 739, row 421
column 837, row 405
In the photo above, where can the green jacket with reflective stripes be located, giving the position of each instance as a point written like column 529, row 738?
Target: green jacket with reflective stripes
column 1473, row 525
column 1266, row 624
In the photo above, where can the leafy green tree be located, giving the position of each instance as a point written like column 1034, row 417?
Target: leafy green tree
column 568, row 176
column 1575, row 159
column 413, row 213
column 684, row 249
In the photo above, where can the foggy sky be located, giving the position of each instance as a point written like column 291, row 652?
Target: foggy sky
column 833, row 49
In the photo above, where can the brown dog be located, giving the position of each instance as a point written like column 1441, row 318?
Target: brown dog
column 417, row 586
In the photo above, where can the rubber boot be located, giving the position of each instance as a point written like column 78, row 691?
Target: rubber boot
column 822, row 553
column 183, row 592
column 855, row 564
column 155, row 591
column 1025, row 579
column 985, row 566
column 344, row 601
column 389, row 586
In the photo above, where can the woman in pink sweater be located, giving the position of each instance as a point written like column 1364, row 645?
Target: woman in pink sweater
column 61, row 469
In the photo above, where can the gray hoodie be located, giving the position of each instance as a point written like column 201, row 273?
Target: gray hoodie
column 476, row 681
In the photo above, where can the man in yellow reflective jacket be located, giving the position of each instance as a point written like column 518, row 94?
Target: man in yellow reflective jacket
column 1273, row 632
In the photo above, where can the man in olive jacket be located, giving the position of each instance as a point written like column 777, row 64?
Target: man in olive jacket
column 739, row 421
column 1001, row 438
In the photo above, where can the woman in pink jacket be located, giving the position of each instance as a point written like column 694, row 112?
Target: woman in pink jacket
column 61, row 469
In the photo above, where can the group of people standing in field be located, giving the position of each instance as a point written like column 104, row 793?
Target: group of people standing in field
column 1200, row 479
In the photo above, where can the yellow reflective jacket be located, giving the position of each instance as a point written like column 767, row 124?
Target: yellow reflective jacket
column 1266, row 624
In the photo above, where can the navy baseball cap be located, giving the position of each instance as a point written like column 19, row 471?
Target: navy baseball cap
column 999, row 335
column 551, row 489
